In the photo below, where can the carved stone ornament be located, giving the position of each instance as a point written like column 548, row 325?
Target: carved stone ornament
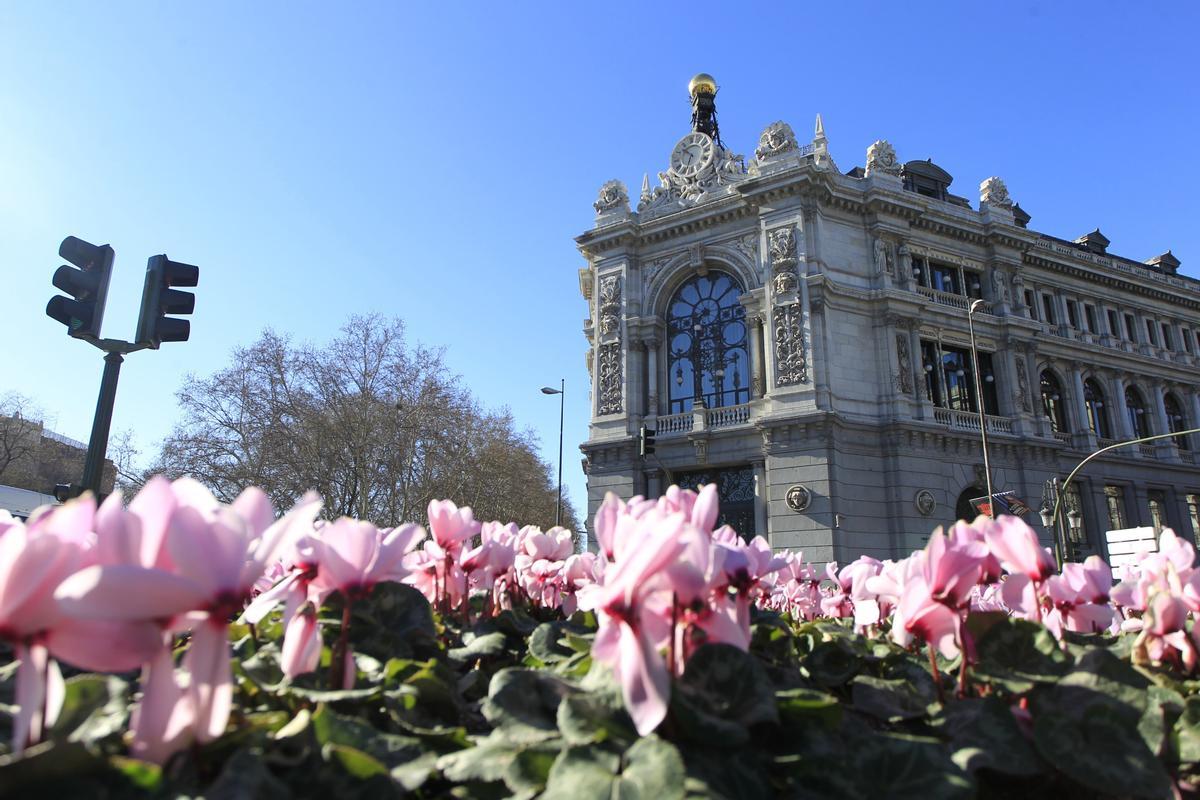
column 1000, row 283
column 993, row 192
column 925, row 502
column 904, row 257
column 610, row 379
column 776, row 139
column 613, row 196
column 701, row 446
column 881, row 157
column 782, row 245
column 699, row 167
column 798, row 497
column 588, row 358
column 904, row 362
column 882, row 255
column 1023, row 387
column 791, row 362
column 610, row 305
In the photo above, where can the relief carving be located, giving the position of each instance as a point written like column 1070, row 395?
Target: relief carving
column 610, row 305
column 791, row 362
column 612, row 196
column 776, row 139
column 881, row 157
column 782, row 244
column 993, row 192
column 1023, row 386
column 610, row 379
column 904, row 362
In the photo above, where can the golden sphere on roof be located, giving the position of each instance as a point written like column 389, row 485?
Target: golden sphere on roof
column 702, row 83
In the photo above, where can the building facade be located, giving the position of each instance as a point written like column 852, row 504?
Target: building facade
column 802, row 336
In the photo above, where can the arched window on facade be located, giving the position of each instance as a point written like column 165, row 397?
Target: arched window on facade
column 1176, row 421
column 1135, row 406
column 1053, row 402
column 1093, row 401
column 708, row 345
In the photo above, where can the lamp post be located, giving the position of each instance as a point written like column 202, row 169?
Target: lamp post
column 987, row 469
column 562, row 393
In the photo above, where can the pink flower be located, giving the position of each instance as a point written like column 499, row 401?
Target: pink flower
column 1017, row 547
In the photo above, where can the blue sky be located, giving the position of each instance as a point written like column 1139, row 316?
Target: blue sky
column 435, row 161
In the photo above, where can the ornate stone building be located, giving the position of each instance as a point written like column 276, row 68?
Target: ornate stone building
column 800, row 335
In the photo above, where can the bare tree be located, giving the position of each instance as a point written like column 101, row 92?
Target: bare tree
column 379, row 428
column 20, row 437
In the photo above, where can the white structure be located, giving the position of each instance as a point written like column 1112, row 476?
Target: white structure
column 21, row 502
column 799, row 335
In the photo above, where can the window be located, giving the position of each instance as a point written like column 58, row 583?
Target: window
column 1187, row 341
column 1093, row 400
column 974, row 287
column 945, row 279
column 1157, row 500
column 1176, row 421
column 1167, row 339
column 1135, row 407
column 1193, row 504
column 1052, row 402
column 1074, row 503
column 1114, row 498
column 953, row 386
column 1031, row 304
column 1151, row 332
column 1089, row 314
column 1114, row 323
column 1130, row 328
column 708, row 356
column 1047, row 309
column 920, row 270
column 1073, row 313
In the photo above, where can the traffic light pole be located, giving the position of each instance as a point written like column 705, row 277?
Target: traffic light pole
column 93, row 467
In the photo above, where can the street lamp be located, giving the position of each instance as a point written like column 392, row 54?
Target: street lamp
column 987, row 469
column 562, row 394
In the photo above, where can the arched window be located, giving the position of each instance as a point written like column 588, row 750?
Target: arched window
column 1176, row 421
column 708, row 354
column 1053, row 404
column 1135, row 406
column 1093, row 400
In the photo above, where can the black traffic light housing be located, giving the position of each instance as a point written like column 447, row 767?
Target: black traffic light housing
column 645, row 441
column 88, row 285
column 159, row 300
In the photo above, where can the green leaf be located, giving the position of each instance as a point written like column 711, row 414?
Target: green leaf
column 515, row 622
column 899, row 767
column 888, row 700
column 802, row 706
column 832, row 663
column 389, row 749
column 354, row 761
column 486, row 761
column 413, row 774
column 984, row 735
column 1163, row 707
column 544, row 644
column 651, row 769
column 43, row 764
column 94, row 707
column 396, row 620
column 595, row 717
column 1016, row 654
column 245, row 775
column 488, row 644
column 331, row 695
column 141, row 774
column 524, row 703
column 731, row 684
column 529, row 769
column 1187, row 732
column 1102, row 751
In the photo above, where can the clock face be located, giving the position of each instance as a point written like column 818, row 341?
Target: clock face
column 692, row 155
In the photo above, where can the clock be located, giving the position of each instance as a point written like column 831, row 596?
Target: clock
column 692, row 155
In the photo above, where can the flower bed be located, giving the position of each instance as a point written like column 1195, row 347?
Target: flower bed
column 218, row 650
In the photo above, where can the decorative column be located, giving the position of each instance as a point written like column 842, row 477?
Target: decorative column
column 752, row 302
column 914, row 347
column 1165, row 448
column 651, row 346
column 1120, row 425
column 1081, row 415
column 762, row 498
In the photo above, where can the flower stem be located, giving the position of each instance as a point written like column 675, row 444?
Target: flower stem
column 337, row 662
column 937, row 676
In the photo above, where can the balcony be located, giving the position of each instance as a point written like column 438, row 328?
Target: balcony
column 953, row 300
column 969, row 421
column 709, row 419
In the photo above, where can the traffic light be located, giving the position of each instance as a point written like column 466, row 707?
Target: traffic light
column 159, row 300
column 645, row 441
column 88, row 285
